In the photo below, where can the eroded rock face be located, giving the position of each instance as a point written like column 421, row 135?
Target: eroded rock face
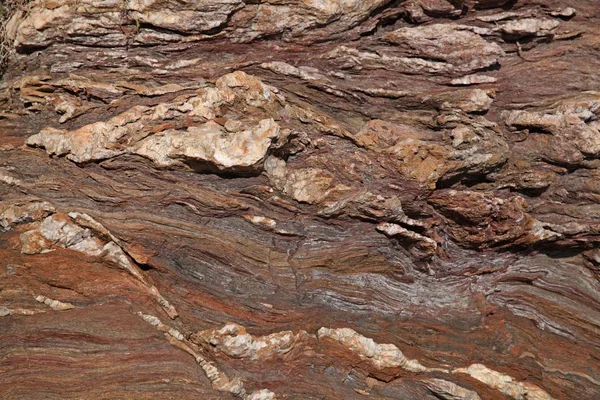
column 13, row 213
column 456, row 45
column 300, row 199
column 213, row 144
column 233, row 340
column 481, row 220
column 227, row 146
column 570, row 127
column 450, row 391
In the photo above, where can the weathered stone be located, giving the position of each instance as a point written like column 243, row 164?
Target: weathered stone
column 481, row 220
column 567, row 133
column 421, row 172
column 212, row 144
column 450, row 391
column 529, row 27
column 232, row 147
column 456, row 45
column 504, row 383
column 381, row 355
column 13, row 213
column 233, row 340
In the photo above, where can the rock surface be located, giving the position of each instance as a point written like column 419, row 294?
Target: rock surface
column 314, row 199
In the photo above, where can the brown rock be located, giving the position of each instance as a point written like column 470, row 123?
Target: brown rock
column 480, row 220
column 299, row 199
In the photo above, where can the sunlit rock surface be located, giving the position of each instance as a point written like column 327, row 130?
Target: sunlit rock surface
column 314, row 199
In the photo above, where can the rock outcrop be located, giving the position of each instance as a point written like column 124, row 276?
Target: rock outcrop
column 300, row 199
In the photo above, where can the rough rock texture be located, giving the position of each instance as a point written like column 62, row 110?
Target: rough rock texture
column 316, row 199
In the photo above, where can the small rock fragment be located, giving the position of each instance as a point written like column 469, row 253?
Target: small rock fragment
column 449, row 390
column 54, row 304
column 211, row 144
column 263, row 394
column 457, row 45
column 472, row 80
column 567, row 12
column 260, row 220
column 308, row 185
column 529, row 27
column 12, row 213
column 427, row 244
column 234, row 341
column 504, row 383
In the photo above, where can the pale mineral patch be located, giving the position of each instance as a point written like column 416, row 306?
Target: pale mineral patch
column 263, row 394
column 8, row 179
column 235, row 146
column 197, row 16
column 505, row 383
column 474, row 79
column 93, row 142
column 473, row 101
column 530, row 26
column 391, row 229
column 219, row 380
column 309, row 185
column 4, row 311
column 498, row 17
column 54, row 304
column 213, row 144
column 234, row 341
column 61, row 230
column 12, row 213
column 297, row 21
column 250, row 89
column 260, row 220
column 353, row 58
column 456, row 45
column 573, row 123
column 306, row 73
column 449, row 390
column 380, row 355
column 566, row 12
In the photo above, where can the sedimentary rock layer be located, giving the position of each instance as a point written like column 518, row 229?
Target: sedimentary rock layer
column 300, row 199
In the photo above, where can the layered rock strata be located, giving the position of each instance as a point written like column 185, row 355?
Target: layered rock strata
column 300, row 199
